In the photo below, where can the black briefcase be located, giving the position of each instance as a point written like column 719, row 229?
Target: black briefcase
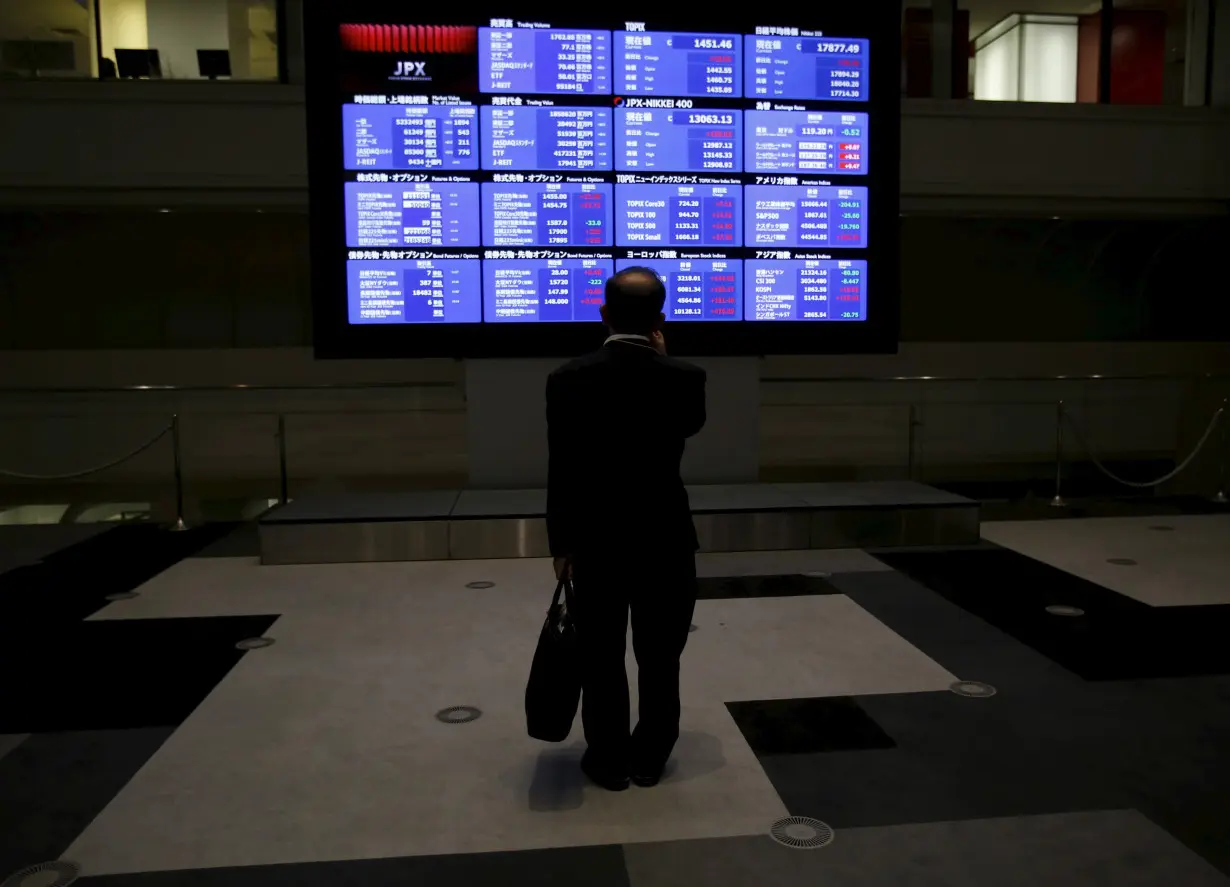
column 554, row 689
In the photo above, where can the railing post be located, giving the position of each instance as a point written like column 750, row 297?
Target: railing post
column 1220, row 496
column 179, row 526
column 282, row 481
column 1058, row 501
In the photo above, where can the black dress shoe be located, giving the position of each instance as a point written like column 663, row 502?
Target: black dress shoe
column 609, row 778
column 646, row 780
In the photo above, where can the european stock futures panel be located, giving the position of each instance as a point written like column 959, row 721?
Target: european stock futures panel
column 498, row 174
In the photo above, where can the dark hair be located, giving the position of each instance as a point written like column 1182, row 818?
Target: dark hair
column 634, row 300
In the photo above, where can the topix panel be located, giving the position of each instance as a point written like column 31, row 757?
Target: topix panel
column 674, row 64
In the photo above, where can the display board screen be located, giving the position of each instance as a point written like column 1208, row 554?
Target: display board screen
column 487, row 175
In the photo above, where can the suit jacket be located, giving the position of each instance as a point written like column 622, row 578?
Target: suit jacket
column 617, row 420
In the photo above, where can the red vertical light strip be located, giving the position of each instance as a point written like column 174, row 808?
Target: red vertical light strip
column 403, row 40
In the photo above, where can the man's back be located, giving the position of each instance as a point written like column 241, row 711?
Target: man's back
column 617, row 421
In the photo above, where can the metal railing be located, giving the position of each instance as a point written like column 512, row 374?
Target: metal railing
column 1064, row 420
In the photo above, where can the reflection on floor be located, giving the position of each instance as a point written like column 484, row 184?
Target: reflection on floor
column 143, row 745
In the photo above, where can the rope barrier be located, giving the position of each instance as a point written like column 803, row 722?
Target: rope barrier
column 1141, row 485
column 76, row 474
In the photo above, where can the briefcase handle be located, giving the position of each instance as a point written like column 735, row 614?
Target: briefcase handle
column 564, row 587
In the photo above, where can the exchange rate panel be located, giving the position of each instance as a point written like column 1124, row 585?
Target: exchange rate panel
column 806, row 142
column 418, row 214
column 436, row 137
column 805, row 216
column 805, row 289
column 545, row 61
column 547, row 214
column 678, row 139
column 818, row 68
column 546, row 138
column 697, row 289
column 678, row 64
column 546, row 290
column 417, row 291
column 655, row 215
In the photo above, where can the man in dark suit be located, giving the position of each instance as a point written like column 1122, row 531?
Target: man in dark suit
column 620, row 524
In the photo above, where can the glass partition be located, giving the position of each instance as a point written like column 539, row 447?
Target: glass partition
column 189, row 39
column 140, row 39
column 47, row 39
column 1151, row 52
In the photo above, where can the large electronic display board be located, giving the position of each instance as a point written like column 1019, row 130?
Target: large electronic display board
column 477, row 177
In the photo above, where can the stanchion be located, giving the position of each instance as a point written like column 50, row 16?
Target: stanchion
column 910, row 443
column 1058, row 501
column 179, row 526
column 282, row 482
column 1220, row 496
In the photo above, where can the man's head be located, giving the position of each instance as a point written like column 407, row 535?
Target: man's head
column 634, row 300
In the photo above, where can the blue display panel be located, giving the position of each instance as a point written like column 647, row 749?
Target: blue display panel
column 412, row 214
column 679, row 140
column 805, row 216
column 568, row 139
column 652, row 215
column 806, row 142
column 550, row 290
column 414, row 291
column 441, row 137
column 649, row 63
column 548, row 60
column 819, row 68
column 547, row 214
column 697, row 289
column 805, row 289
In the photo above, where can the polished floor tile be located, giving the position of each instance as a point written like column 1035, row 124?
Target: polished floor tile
column 1118, row 847
column 120, row 674
column 806, row 726
column 69, row 584
column 799, row 647
column 24, row 544
column 1180, row 560
column 715, row 588
column 53, row 784
column 763, row 563
column 319, row 760
column 1116, row 637
column 325, row 746
column 242, row 541
column 562, row 867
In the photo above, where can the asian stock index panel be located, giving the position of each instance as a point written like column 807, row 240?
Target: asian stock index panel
column 493, row 174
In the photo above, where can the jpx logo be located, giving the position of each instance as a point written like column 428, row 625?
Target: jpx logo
column 411, row 70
